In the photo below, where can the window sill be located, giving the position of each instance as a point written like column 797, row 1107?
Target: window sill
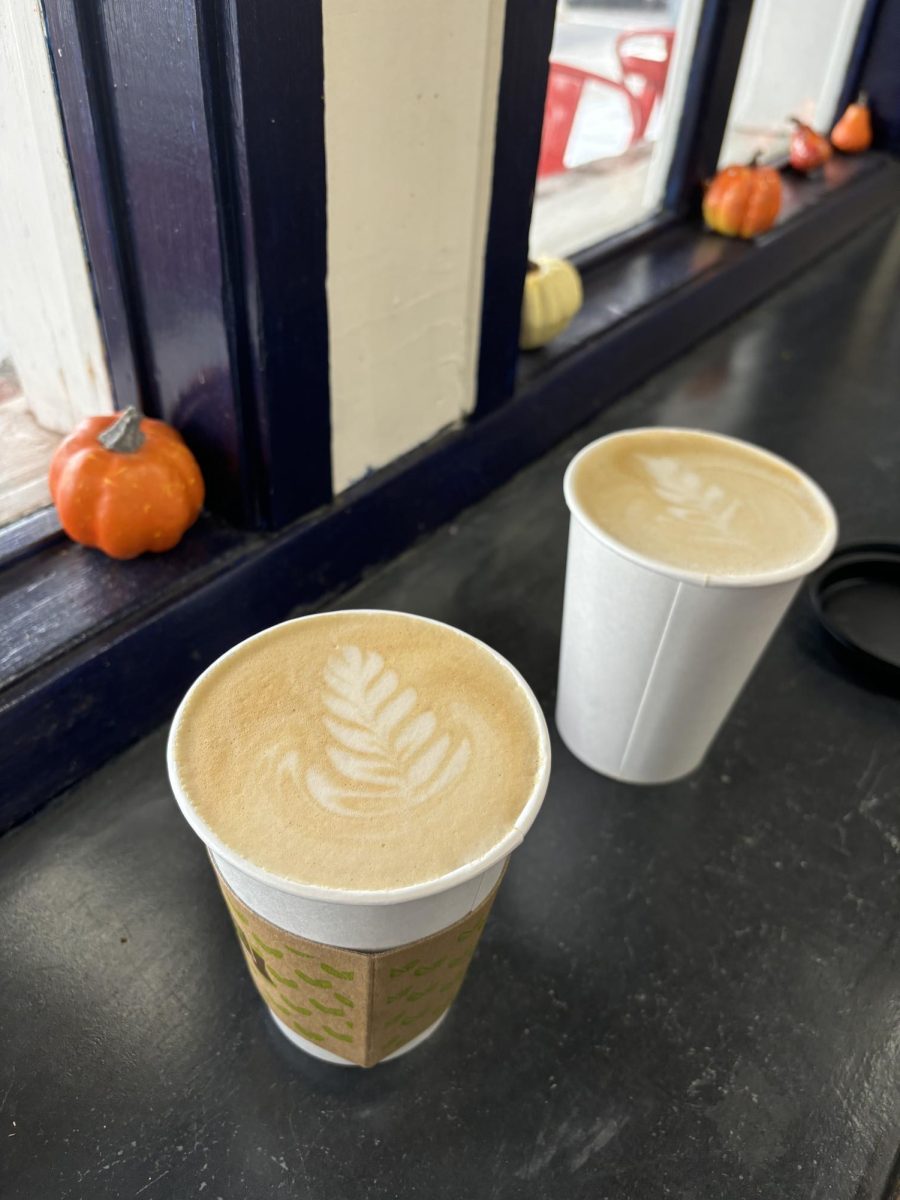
column 665, row 257
column 93, row 653
column 28, row 535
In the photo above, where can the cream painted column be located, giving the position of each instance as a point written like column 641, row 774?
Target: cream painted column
column 410, row 109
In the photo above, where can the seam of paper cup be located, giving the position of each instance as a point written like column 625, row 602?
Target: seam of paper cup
column 699, row 578
column 481, row 890
column 663, row 641
column 411, row 892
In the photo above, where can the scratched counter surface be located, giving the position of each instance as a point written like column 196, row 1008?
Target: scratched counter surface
column 688, row 991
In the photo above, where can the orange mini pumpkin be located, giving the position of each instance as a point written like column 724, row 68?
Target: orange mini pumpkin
column 125, row 484
column 743, row 201
column 853, row 132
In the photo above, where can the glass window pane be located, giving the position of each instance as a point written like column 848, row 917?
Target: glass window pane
column 52, row 361
column 614, row 98
column 793, row 65
column 26, row 447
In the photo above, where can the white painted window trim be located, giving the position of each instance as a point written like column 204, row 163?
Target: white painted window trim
column 671, row 108
column 838, row 62
column 48, row 320
column 842, row 37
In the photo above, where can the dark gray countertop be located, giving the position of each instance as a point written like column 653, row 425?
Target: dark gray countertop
column 690, row 991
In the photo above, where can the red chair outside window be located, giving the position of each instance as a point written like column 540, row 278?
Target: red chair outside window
column 651, row 68
column 565, row 84
column 564, row 87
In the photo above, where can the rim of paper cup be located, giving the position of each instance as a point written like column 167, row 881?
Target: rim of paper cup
column 701, row 579
column 415, row 891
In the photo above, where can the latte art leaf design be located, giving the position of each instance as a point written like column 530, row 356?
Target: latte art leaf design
column 706, row 507
column 385, row 754
column 283, row 763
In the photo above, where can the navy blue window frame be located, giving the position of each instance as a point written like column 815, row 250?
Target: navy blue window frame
column 183, row 122
column 722, row 30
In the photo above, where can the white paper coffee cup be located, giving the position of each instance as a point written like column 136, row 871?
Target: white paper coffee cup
column 364, row 920
column 652, row 657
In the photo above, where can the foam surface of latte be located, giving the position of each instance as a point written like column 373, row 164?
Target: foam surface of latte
column 359, row 750
column 700, row 503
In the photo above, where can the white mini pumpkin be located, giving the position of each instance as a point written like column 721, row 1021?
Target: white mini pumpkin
column 551, row 298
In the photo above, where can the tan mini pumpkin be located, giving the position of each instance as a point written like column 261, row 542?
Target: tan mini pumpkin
column 551, row 298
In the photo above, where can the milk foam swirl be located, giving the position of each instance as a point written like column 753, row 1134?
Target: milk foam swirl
column 698, row 502
column 359, row 750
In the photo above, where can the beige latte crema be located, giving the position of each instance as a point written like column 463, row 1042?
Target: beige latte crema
column 359, row 750
column 700, row 503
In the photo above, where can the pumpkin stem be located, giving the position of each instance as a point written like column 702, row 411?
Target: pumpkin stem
column 754, row 161
column 863, row 99
column 532, row 266
column 124, row 435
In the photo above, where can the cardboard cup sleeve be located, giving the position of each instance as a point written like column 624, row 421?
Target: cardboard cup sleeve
column 361, row 1006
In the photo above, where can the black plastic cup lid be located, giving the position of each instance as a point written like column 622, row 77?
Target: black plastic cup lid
column 856, row 596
